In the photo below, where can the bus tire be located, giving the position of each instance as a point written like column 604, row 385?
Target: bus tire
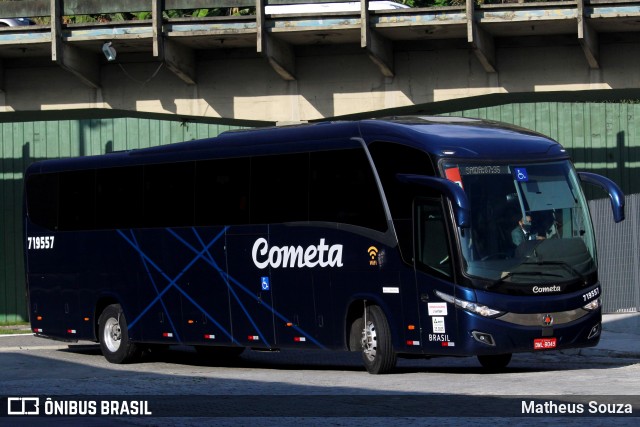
column 494, row 362
column 114, row 336
column 377, row 350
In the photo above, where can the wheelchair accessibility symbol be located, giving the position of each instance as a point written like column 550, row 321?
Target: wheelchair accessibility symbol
column 265, row 283
column 521, row 174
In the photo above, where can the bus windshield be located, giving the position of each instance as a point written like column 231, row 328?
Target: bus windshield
column 529, row 223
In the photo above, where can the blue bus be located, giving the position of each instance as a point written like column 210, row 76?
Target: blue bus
column 399, row 237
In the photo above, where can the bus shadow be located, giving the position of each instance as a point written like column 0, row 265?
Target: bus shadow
column 192, row 394
column 318, row 360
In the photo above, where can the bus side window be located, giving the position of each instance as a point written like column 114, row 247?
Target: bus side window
column 42, row 200
column 77, row 204
column 222, row 193
column 391, row 159
column 430, row 232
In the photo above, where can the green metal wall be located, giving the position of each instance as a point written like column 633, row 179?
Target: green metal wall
column 25, row 142
column 601, row 137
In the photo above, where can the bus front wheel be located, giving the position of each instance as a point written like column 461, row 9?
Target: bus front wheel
column 495, row 362
column 377, row 350
column 114, row 336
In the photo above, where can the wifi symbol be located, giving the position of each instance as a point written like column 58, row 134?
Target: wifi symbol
column 373, row 251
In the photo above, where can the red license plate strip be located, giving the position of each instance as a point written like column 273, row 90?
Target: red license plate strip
column 544, row 343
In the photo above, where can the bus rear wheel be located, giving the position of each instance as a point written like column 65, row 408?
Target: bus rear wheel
column 377, row 351
column 114, row 336
column 495, row 362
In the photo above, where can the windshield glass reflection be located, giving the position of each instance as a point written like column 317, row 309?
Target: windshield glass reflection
column 529, row 222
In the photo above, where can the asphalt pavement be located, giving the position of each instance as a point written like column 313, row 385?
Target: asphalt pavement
column 620, row 339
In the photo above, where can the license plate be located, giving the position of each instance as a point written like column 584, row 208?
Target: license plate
column 544, row 343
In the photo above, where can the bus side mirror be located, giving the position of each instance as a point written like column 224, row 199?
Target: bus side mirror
column 451, row 190
column 615, row 193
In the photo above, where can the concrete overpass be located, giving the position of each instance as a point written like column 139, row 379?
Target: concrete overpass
column 280, row 68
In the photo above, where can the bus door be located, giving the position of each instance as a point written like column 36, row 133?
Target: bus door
column 251, row 297
column 434, row 272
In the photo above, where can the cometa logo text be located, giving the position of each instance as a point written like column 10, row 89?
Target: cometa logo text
column 543, row 289
column 321, row 255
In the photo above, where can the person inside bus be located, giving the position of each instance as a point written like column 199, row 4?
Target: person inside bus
column 526, row 237
column 523, row 231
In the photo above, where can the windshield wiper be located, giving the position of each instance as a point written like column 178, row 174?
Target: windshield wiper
column 568, row 267
column 524, row 273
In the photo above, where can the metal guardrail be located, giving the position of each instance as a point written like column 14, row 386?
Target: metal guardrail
column 46, row 8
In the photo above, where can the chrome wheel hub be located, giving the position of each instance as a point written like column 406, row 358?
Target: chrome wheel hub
column 369, row 341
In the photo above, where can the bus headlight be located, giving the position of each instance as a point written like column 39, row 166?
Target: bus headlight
column 473, row 307
column 593, row 305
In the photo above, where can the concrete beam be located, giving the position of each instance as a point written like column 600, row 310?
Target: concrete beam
column 156, row 23
column 279, row 54
column 480, row 41
column 85, row 67
column 379, row 49
column 588, row 37
column 179, row 59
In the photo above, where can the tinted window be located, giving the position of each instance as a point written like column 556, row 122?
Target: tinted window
column 344, row 190
column 392, row 159
column 330, row 186
column 280, row 188
column 222, row 191
column 119, row 197
column 77, row 200
column 42, row 200
column 432, row 247
column 169, row 194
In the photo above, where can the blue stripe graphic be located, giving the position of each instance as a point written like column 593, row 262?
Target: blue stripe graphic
column 207, row 257
column 153, row 283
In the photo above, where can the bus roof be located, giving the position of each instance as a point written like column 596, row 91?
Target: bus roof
column 465, row 138
column 440, row 136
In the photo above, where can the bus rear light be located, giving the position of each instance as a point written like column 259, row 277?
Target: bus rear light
column 484, row 338
column 299, row 339
column 167, row 334
column 71, row 331
column 209, row 337
column 39, row 318
column 410, row 342
column 37, row 330
column 473, row 307
column 253, row 338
